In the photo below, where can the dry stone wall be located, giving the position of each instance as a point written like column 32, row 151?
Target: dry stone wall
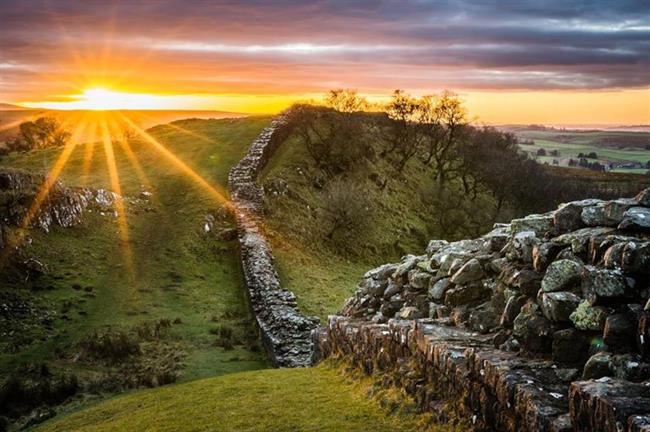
column 543, row 324
column 284, row 330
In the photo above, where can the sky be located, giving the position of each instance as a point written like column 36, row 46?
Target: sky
column 553, row 61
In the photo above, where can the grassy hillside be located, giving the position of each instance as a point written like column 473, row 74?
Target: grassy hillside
column 179, row 280
column 321, row 276
column 279, row 400
column 401, row 220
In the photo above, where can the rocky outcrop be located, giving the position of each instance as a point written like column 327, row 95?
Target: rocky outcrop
column 284, row 330
column 539, row 325
column 62, row 206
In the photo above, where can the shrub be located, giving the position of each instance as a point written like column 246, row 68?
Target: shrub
column 153, row 330
column 225, row 336
column 21, row 393
column 345, row 211
column 112, row 346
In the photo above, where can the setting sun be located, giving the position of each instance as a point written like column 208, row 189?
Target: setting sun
column 102, row 99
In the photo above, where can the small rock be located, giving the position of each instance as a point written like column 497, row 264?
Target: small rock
column 539, row 224
column 464, row 294
column 615, row 211
column 629, row 367
column 539, row 334
column 410, row 313
column 381, row 272
column 636, row 218
column 567, row 375
column 558, row 306
column 483, row 318
column 568, row 218
column 437, row 291
column 561, row 275
column 407, row 264
column 392, row 289
column 597, row 366
column 459, row 315
column 643, row 197
column 544, row 254
column 470, row 272
column 594, row 215
column 602, row 284
column 570, row 346
column 619, row 332
column 636, row 258
column 438, row 311
column 522, row 246
column 528, row 311
column 526, row 281
column 434, row 246
column 418, row 279
column 511, row 310
column 500, row 338
column 588, row 317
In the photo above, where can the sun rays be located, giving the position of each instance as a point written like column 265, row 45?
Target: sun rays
column 103, row 142
column 214, row 191
column 114, row 177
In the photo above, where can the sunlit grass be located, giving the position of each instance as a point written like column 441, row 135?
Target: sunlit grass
column 279, row 400
column 179, row 271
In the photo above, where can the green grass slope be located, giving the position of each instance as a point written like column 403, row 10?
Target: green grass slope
column 279, row 400
column 323, row 275
column 179, row 273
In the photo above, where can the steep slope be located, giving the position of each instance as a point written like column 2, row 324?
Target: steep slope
column 322, row 275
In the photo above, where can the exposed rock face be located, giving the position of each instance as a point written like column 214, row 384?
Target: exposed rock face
column 61, row 206
column 285, row 331
column 569, row 288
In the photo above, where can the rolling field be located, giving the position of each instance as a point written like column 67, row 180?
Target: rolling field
column 618, row 149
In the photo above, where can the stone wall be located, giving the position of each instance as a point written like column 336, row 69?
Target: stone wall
column 284, row 330
column 540, row 325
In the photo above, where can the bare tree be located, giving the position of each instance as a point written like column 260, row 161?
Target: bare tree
column 444, row 137
column 334, row 140
column 345, row 100
column 404, row 136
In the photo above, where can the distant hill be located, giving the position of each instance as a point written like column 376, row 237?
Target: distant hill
column 11, row 107
column 10, row 118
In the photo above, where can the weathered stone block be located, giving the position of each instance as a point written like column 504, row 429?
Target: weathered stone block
column 636, row 218
column 561, row 275
column 469, row 272
column 558, row 306
column 570, row 346
column 588, row 317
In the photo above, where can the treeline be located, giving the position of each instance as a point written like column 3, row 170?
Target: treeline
column 469, row 165
column 41, row 133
